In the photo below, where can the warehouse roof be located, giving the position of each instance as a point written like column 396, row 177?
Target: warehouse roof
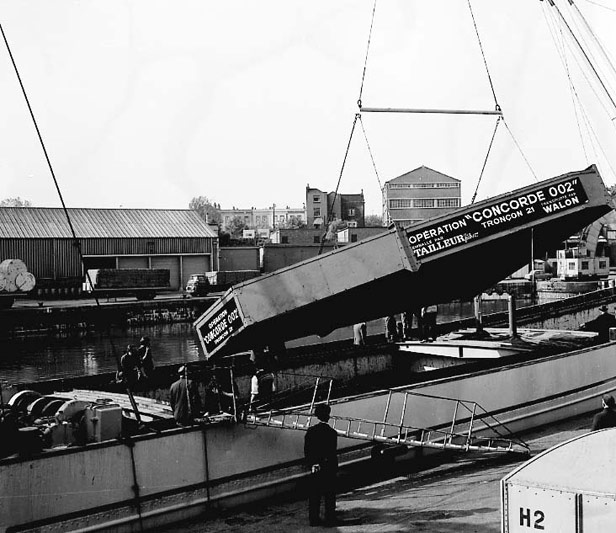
column 424, row 174
column 50, row 222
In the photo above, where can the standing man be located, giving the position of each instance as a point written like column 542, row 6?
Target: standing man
column 607, row 417
column 320, row 451
column 359, row 334
column 601, row 324
column 184, row 399
column 145, row 357
column 428, row 320
column 129, row 362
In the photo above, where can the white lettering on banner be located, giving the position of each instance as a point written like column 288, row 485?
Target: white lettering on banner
column 218, row 318
column 225, row 323
column 435, row 232
column 507, row 207
column 500, row 216
column 563, row 204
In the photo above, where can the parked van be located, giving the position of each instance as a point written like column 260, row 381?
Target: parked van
column 197, row 285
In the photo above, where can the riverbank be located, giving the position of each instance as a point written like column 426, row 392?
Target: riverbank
column 66, row 318
column 73, row 317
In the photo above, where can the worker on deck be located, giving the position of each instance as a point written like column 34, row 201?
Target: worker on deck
column 391, row 330
column 262, row 388
column 428, row 322
column 359, row 334
column 145, row 357
column 601, row 324
column 320, row 451
column 130, row 366
column 184, row 399
column 607, row 417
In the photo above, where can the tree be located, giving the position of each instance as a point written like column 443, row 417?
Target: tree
column 293, row 222
column 235, row 226
column 374, row 221
column 15, row 202
column 207, row 209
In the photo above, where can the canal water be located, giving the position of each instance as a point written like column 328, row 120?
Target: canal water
column 40, row 358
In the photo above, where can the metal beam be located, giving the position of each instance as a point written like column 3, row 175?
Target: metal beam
column 430, row 111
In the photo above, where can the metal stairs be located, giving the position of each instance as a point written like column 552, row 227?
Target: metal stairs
column 472, row 428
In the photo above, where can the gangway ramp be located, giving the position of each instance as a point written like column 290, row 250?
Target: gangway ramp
column 471, row 429
column 454, row 256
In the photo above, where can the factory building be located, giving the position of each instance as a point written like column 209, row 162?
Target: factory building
column 174, row 239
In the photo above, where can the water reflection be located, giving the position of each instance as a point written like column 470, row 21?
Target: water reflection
column 95, row 352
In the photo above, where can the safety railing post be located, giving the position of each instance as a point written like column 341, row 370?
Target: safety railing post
column 329, row 390
column 470, row 427
column 403, row 413
column 314, row 394
column 453, row 421
column 386, row 413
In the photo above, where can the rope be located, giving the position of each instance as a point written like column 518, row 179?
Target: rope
column 77, row 243
column 361, row 123
column 131, row 446
column 601, row 5
column 485, row 62
column 363, row 76
column 485, row 161
column 560, row 48
column 594, row 70
column 592, row 135
column 331, row 207
column 520, row 150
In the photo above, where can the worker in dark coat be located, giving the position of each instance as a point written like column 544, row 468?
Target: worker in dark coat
column 129, row 362
column 320, row 451
column 184, row 399
column 145, row 357
column 601, row 324
column 607, row 417
column 391, row 329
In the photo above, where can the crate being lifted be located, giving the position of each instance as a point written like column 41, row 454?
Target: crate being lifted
column 454, row 256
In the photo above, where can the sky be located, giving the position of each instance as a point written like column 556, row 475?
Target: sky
column 149, row 103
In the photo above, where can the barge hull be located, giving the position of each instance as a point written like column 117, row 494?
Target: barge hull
column 185, row 471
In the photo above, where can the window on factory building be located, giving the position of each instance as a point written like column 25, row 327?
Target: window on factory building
column 284, row 239
column 351, row 212
column 400, row 203
column 423, row 202
column 317, row 212
column 424, row 185
column 353, row 237
column 316, row 199
column 448, row 202
column 316, row 239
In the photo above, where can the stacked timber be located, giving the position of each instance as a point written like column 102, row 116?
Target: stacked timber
column 14, row 276
column 129, row 278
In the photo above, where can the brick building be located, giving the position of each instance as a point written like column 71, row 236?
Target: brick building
column 348, row 207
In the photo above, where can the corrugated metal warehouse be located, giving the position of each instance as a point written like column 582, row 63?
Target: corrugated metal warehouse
column 175, row 239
